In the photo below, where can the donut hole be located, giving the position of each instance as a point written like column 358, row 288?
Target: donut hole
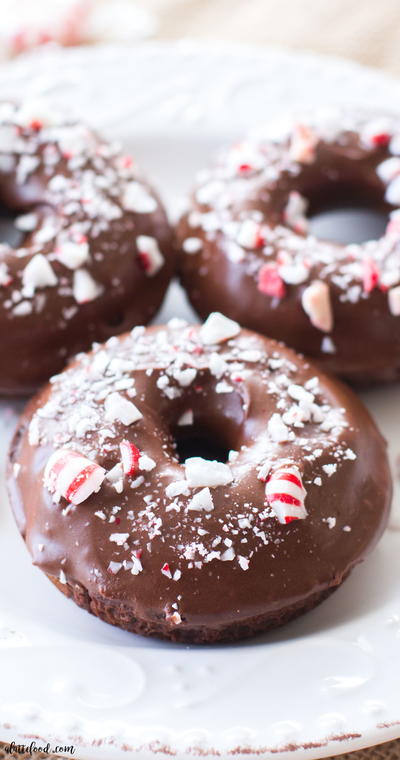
column 198, row 443
column 347, row 213
column 205, row 423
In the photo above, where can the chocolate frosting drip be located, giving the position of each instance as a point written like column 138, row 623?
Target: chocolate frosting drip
column 248, row 212
column 198, row 570
column 96, row 255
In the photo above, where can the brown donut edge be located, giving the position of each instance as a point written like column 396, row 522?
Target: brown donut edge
column 122, row 616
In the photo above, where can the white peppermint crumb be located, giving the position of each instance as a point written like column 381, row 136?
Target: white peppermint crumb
column 84, row 287
column 119, row 538
column 206, row 472
column 228, row 555
column 119, row 408
column 136, row 198
column 38, row 273
column 72, row 255
column 298, row 393
column 223, row 387
column 329, row 469
column 137, row 482
column 277, row 430
column 192, row 245
column 26, row 222
column 114, row 567
column 184, row 377
column 186, row 418
column 251, row 355
column 146, row 463
column 217, row 365
column 217, row 329
column 177, row 488
column 327, row 345
column 202, row 500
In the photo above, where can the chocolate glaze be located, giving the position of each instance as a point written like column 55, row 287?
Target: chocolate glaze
column 240, row 570
column 254, row 181
column 77, row 186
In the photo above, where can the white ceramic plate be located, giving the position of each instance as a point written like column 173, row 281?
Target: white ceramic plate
column 325, row 684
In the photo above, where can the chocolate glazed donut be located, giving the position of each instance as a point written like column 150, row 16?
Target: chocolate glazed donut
column 95, row 255
column 186, row 548
column 246, row 249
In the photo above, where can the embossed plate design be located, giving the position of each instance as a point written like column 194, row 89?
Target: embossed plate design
column 325, row 684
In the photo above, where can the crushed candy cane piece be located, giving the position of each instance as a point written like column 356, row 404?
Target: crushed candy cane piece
column 38, row 273
column 294, row 213
column 72, row 476
column 285, row 494
column 316, row 302
column 130, row 457
column 186, row 418
column 303, row 144
column 217, row 328
column 166, row 570
column 250, row 235
column 137, row 198
column 84, row 287
column 146, row 463
column 270, row 282
column 202, row 500
column 150, row 255
column 192, row 245
column 370, row 275
column 73, row 254
column 206, row 472
column 377, row 132
column 118, row 408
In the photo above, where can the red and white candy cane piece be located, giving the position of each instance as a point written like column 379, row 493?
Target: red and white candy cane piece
column 294, row 213
column 73, row 476
column 270, row 282
column 150, row 255
column 316, row 302
column 250, row 235
column 370, row 275
column 130, row 457
column 285, row 494
column 302, row 144
column 377, row 133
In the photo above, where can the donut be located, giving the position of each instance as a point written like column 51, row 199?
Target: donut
column 94, row 255
column 70, row 23
column 197, row 483
column 247, row 249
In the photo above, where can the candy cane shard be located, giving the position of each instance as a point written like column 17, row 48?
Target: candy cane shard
column 316, row 302
column 130, row 455
column 285, row 494
column 72, row 476
column 303, row 144
column 150, row 255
